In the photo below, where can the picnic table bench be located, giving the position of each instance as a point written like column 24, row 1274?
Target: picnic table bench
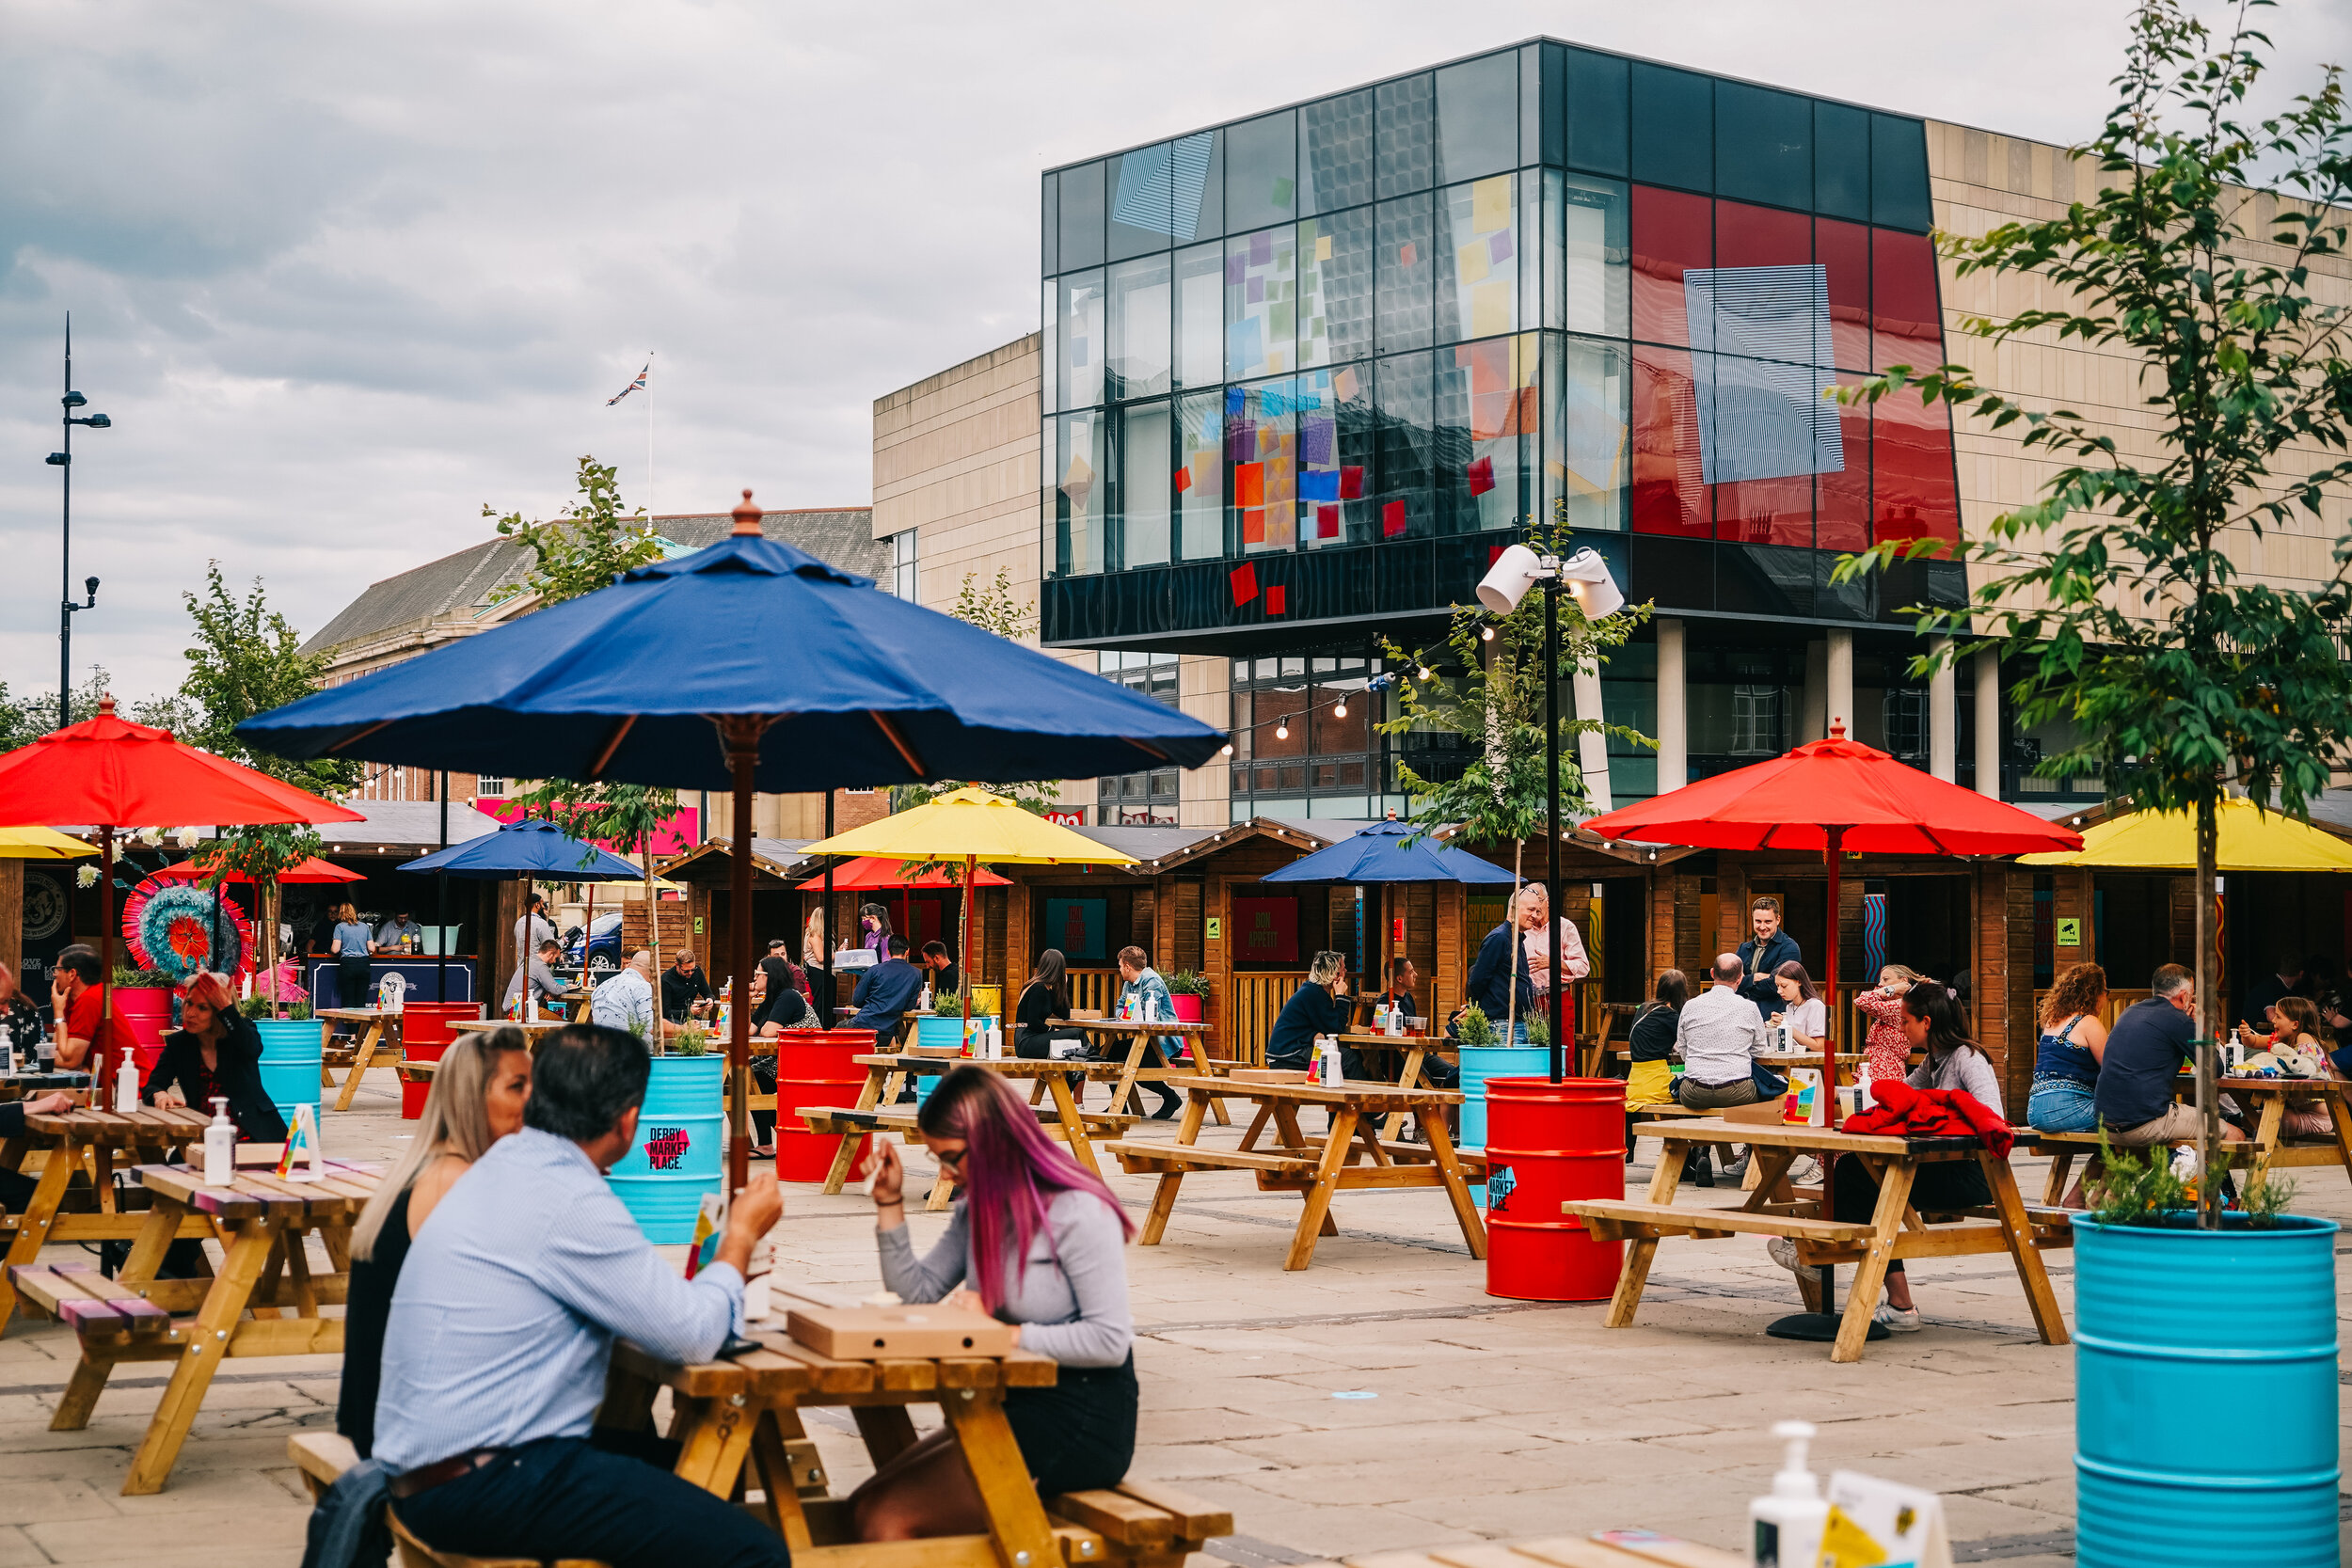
column 1604, row 1550
column 1895, row 1230
column 1315, row 1170
column 262, row 1222
column 75, row 1198
column 358, row 1055
column 2272, row 1149
column 1122, row 1044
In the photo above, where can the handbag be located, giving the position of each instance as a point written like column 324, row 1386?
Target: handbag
column 1769, row 1084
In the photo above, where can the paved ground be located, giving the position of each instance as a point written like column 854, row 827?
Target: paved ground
column 1488, row 1419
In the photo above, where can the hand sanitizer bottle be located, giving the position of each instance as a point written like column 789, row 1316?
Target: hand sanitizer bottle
column 127, row 1083
column 220, row 1143
column 1786, row 1524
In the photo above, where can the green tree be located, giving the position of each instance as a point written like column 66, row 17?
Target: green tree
column 581, row 549
column 994, row 608
column 1487, row 681
column 584, row 547
column 2115, row 590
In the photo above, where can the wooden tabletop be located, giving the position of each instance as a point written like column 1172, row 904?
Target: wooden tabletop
column 42, row 1083
column 1362, row 1095
column 1129, row 1026
column 2292, row 1085
column 781, row 1367
column 353, row 1015
column 469, row 1025
column 1402, row 1043
column 1012, row 1067
column 259, row 1194
column 1715, row 1130
column 147, row 1125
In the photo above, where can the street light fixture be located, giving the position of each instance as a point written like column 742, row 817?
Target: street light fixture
column 67, row 608
column 1586, row 578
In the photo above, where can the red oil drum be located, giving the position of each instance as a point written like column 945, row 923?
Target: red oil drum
column 816, row 1067
column 1547, row 1143
column 425, row 1035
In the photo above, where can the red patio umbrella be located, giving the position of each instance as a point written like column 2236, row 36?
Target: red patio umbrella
column 109, row 773
column 312, row 869
column 881, row 871
column 1833, row 795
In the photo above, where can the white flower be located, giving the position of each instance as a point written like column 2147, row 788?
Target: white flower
column 189, row 837
column 150, row 836
column 86, row 876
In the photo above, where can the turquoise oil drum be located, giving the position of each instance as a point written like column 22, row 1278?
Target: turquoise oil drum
column 291, row 1055
column 674, row 1162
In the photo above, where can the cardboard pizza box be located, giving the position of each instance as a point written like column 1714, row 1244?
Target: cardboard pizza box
column 890, row 1333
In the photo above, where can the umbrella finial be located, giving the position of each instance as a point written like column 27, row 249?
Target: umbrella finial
column 747, row 518
column 106, row 706
column 1837, row 726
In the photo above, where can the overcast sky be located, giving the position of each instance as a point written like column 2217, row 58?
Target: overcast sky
column 343, row 274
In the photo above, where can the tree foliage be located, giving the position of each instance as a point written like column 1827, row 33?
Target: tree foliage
column 245, row 659
column 584, row 547
column 2115, row 590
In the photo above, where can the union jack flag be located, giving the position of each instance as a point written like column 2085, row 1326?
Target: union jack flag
column 636, row 385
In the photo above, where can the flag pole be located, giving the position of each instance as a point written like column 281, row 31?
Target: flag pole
column 651, row 510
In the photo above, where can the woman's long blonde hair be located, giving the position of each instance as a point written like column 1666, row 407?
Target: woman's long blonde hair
column 456, row 1120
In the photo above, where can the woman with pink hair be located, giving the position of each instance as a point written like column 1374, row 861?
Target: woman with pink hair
column 1037, row 1242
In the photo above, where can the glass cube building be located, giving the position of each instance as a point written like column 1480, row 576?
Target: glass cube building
column 1304, row 373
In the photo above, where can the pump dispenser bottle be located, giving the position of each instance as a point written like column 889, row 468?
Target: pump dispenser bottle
column 220, row 1147
column 1785, row 1525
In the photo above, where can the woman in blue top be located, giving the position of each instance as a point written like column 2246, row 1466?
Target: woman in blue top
column 353, row 940
column 2067, row 1057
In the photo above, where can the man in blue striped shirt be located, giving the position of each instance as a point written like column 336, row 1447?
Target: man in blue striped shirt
column 503, row 1324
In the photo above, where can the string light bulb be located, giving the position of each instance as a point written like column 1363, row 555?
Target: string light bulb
column 1485, row 634
column 1424, row 673
column 1282, row 728
column 1341, row 710
column 1229, row 748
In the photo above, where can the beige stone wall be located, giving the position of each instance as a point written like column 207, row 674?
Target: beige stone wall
column 1982, row 180
column 956, row 460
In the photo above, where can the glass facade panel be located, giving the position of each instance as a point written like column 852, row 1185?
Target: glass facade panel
column 1404, row 446
column 1906, row 328
column 1670, row 497
column 1586, row 393
column 1138, row 510
column 1539, row 114
column 1200, row 216
column 1074, row 494
column 1200, row 475
column 1761, row 237
column 1488, row 407
column 1671, row 232
column 1199, row 330
column 1335, row 153
column 1594, row 93
column 1478, row 117
column 1080, row 329
column 1477, row 259
column 1405, row 115
column 1049, row 245
column 1262, row 447
column 1899, row 174
column 1260, row 302
column 1334, row 414
column 1138, row 365
column 1841, row 161
column 1335, row 287
column 1673, row 127
column 1142, row 190
column 1844, row 251
column 1763, row 145
column 1911, row 462
column 1049, row 348
column 1081, row 216
column 1261, row 172
column 1843, row 507
column 1403, row 272
column 1590, row 278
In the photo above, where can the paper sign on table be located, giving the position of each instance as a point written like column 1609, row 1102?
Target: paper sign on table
column 300, row 1160
column 708, row 1229
column 1902, row 1524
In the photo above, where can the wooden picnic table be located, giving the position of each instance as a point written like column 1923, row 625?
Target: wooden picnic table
column 25, row 1086
column 1107, row 1034
column 376, row 1021
column 75, row 1198
column 262, row 1222
column 532, row 1028
column 748, row 1408
column 1415, row 1050
column 877, row 1109
column 1314, row 1170
column 2271, row 1150
column 1895, row 1230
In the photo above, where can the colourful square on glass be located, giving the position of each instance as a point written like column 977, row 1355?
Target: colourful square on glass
column 1391, row 519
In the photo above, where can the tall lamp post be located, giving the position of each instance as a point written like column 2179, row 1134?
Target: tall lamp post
column 66, row 606
column 1584, row 576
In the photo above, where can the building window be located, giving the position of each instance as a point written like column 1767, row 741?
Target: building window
column 1304, row 740
column 488, row 788
column 1147, row 798
column 900, row 583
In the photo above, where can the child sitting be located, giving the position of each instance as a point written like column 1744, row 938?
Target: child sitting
column 1885, row 1052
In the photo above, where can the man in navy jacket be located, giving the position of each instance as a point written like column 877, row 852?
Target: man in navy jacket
column 1771, row 947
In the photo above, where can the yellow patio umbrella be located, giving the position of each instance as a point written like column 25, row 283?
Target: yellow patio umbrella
column 970, row 824
column 2249, row 839
column 41, row 844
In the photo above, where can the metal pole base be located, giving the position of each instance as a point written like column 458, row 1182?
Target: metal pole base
column 1819, row 1328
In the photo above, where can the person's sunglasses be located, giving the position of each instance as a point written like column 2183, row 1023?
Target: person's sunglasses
column 954, row 1158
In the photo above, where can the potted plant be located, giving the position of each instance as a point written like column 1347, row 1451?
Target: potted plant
column 943, row 1030
column 2181, row 1329
column 1188, row 993
column 1487, row 1052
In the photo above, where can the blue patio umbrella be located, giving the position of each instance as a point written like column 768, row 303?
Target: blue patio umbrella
column 1389, row 852
column 524, row 849
column 747, row 666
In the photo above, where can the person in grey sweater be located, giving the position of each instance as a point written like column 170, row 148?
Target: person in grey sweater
column 1034, row 1241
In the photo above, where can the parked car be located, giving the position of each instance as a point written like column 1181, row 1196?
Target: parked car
column 604, row 944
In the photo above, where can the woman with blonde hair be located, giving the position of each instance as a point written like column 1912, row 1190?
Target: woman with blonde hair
column 2067, row 1057
column 478, row 1095
column 215, row 1054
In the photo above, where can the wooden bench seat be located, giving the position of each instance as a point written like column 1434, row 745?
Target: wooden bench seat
column 1612, row 1220
column 1666, row 1109
column 1143, row 1523
column 76, row 1294
column 1473, row 1161
column 1141, row 1158
column 844, row 1118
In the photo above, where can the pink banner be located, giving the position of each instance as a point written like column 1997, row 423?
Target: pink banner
column 679, row 834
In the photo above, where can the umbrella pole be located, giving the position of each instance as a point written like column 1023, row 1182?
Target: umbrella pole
column 1829, row 990
column 742, row 737
column 963, row 946
column 440, row 946
column 824, row 919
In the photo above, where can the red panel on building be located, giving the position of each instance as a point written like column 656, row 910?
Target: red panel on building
column 1911, row 463
column 1844, row 251
column 1671, row 230
column 1668, row 493
column 1904, row 322
column 1266, row 930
